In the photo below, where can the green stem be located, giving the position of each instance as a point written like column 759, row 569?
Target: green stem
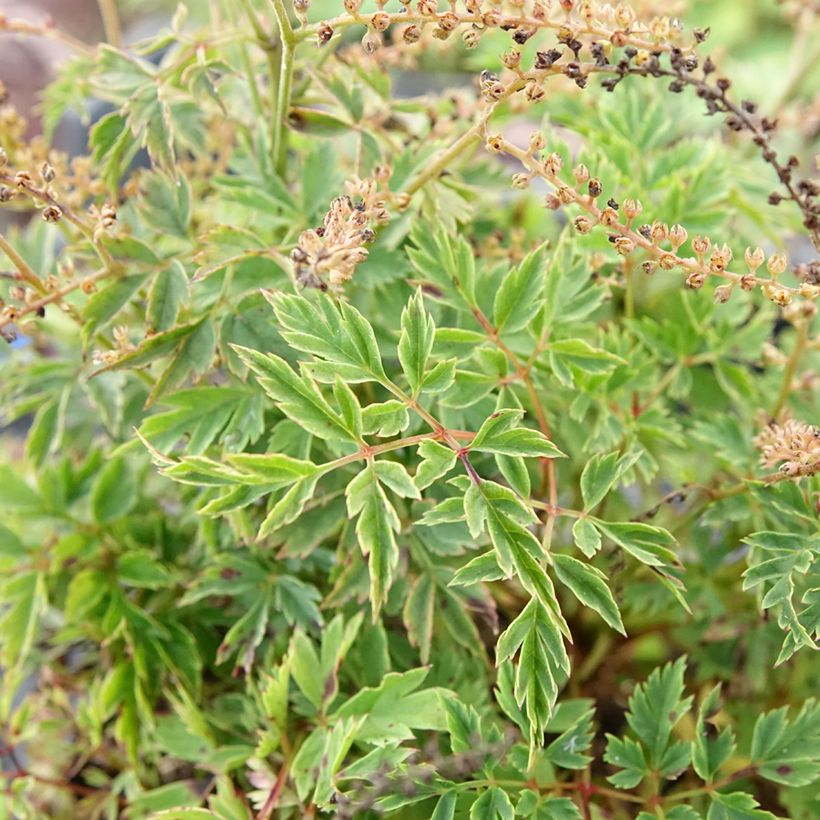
column 802, row 330
column 280, row 114
column 111, row 22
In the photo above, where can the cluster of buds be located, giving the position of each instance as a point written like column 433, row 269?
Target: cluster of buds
column 569, row 20
column 327, row 256
column 793, row 446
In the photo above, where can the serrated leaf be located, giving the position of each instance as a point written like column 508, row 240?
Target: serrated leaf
column 498, row 434
column 437, row 461
column 416, row 341
column 297, row 397
column 418, row 614
column 494, row 804
column 589, row 586
column 586, row 536
column 521, row 294
column 711, row 748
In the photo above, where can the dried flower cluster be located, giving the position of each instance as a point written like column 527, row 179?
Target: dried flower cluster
column 326, row 257
column 793, row 446
column 660, row 241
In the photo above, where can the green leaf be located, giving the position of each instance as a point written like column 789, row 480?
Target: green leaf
column 499, row 435
column 168, row 293
column 273, row 468
column 24, row 600
column 336, row 335
column 139, row 568
column 650, row 545
column 445, row 807
column 736, row 806
column 601, row 473
column 711, row 748
column 589, row 586
column 297, row 397
column 418, row 614
column 385, row 419
column 437, row 461
column 494, row 804
column 394, row 708
column 578, row 354
column 107, row 302
column 521, row 293
column 788, row 752
column 114, row 492
column 586, row 536
column 395, row 476
column 543, row 664
column 656, row 706
column 416, row 341
column 376, row 527
column 629, row 756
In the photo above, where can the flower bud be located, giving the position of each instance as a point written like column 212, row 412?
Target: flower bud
column 495, row 143
column 567, row 194
column 701, row 245
column 47, row 172
column 695, row 280
column 624, row 245
column 667, row 260
column 521, row 180
column 352, row 6
column 808, row 291
column 723, row 293
column 511, row 59
column 777, row 264
column 448, row 21
column 324, row 33
column 624, row 15
column 4, row 157
column 609, row 216
column 720, row 259
column 677, row 236
column 371, row 42
column 471, row 37
column 537, row 141
column 594, row 187
column 632, row 207
column 534, row 92
column 649, row 267
column 583, row 224
column 581, row 173
column 51, row 213
column 553, row 164
column 412, row 34
column 658, row 232
column 754, row 258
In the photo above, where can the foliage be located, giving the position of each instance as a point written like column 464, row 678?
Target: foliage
column 443, row 508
